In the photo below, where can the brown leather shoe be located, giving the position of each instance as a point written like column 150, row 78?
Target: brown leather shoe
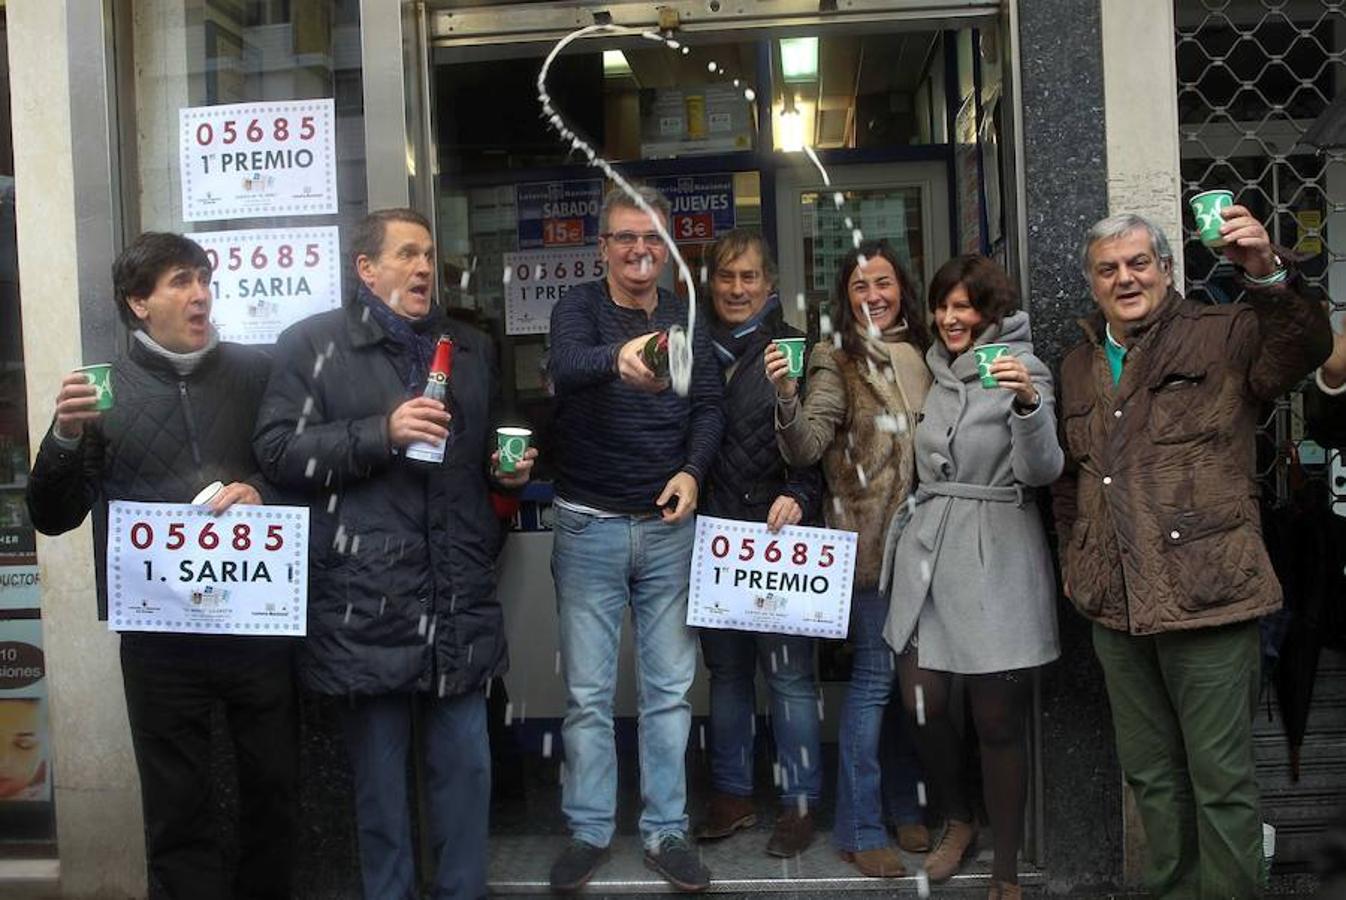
column 913, row 837
column 725, row 814
column 792, row 835
column 881, row 862
column 947, row 857
column 1003, row 890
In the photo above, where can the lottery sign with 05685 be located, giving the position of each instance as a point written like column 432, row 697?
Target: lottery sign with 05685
column 175, row 567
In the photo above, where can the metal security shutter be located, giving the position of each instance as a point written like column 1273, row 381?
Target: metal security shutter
column 1253, row 76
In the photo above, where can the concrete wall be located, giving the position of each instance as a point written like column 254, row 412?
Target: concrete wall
column 96, row 788
column 1140, row 99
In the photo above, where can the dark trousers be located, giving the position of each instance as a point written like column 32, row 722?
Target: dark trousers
column 1182, row 707
column 173, row 682
column 456, row 800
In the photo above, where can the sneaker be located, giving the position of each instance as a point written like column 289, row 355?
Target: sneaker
column 913, row 837
column 792, row 835
column 675, row 859
column 725, row 814
column 576, row 865
column 954, row 844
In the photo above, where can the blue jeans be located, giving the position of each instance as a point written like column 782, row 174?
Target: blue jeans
column 860, row 778
column 457, row 782
column 787, row 662
column 602, row 565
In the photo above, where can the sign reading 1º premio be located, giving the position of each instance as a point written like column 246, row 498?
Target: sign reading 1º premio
column 265, row 280
column 796, row 581
column 257, row 159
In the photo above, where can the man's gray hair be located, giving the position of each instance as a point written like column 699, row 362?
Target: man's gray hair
column 1120, row 225
column 619, row 199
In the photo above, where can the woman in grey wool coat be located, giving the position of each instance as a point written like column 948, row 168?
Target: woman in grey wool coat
column 973, row 588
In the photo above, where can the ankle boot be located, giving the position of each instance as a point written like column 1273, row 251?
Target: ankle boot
column 880, row 862
column 947, row 858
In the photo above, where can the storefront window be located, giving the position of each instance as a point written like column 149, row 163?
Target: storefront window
column 27, row 820
column 250, row 52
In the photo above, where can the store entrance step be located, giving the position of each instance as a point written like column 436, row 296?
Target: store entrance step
column 738, row 864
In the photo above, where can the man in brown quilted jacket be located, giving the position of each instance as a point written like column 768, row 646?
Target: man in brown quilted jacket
column 1161, row 542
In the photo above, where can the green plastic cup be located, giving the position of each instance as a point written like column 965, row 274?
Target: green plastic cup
column 987, row 354
column 513, row 443
column 100, row 376
column 793, row 348
column 1206, row 208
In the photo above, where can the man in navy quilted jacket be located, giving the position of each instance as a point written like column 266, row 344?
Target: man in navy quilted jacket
column 182, row 419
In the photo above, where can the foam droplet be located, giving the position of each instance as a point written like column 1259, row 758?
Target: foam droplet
column 310, row 467
column 920, row 794
column 800, row 301
column 509, row 714
column 856, row 237
column 749, row 94
column 546, row 745
column 922, row 884
column 463, row 281
column 712, row 67
column 920, row 704
column 507, row 275
column 839, row 199
column 686, row 50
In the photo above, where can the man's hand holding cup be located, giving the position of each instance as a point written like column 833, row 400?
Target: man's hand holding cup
column 778, row 372
column 76, row 406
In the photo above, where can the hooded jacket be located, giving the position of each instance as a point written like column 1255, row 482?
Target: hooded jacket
column 972, row 565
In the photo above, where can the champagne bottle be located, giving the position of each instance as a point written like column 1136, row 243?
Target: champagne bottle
column 436, row 388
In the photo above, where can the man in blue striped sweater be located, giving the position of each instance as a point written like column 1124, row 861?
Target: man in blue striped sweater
column 631, row 454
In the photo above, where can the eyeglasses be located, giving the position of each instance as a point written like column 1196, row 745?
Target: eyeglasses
column 628, row 238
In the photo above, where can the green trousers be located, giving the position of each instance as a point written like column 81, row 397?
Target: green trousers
column 1182, row 708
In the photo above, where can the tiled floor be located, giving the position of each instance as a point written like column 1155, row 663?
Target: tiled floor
column 738, row 865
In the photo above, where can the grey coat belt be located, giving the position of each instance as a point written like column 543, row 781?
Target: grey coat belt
column 1013, row 493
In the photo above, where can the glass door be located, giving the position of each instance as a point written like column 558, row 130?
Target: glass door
column 906, row 204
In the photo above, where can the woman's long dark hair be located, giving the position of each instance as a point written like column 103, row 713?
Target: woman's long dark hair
column 909, row 300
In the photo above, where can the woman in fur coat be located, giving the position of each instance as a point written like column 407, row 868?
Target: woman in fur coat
column 858, row 417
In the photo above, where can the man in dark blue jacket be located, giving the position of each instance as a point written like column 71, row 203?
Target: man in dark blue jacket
column 402, row 605
column 750, row 481
column 184, row 409
column 632, row 454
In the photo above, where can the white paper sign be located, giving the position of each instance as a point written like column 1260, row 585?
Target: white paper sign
column 175, row 567
column 536, row 279
column 797, row 581
column 257, row 159
column 266, row 280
